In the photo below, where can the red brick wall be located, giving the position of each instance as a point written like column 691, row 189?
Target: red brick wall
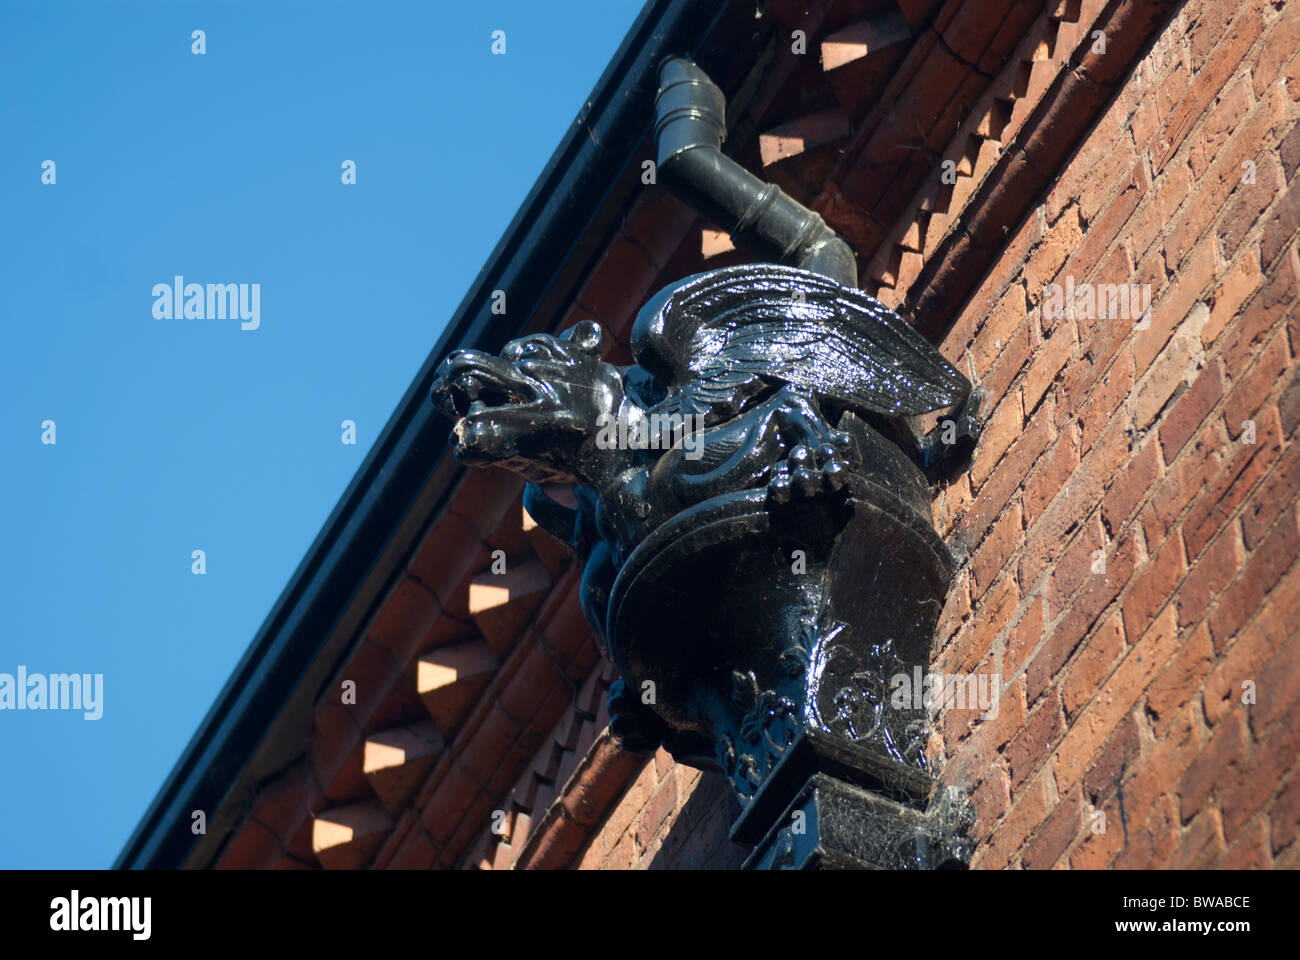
column 1124, row 683
column 671, row 817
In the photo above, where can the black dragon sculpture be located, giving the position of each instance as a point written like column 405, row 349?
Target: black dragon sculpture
column 757, row 377
column 750, row 498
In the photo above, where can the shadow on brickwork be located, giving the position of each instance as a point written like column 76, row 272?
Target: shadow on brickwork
column 698, row 837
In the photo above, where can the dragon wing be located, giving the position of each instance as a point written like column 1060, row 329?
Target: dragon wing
column 717, row 339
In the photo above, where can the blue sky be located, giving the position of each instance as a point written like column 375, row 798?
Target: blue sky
column 192, row 434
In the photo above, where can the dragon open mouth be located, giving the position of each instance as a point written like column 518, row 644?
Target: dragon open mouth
column 472, row 384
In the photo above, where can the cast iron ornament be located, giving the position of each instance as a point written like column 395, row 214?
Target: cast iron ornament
column 779, row 576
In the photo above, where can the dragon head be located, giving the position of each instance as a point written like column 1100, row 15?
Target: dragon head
column 534, row 409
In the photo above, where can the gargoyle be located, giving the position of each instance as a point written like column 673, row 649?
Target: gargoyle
column 779, row 370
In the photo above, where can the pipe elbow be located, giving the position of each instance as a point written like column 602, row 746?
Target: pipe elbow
column 832, row 256
column 690, row 127
column 683, row 169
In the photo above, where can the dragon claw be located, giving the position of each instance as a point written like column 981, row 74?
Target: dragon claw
column 835, row 474
column 806, row 481
column 780, row 488
column 806, row 472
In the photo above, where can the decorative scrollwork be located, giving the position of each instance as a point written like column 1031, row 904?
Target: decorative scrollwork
column 849, row 695
column 768, row 722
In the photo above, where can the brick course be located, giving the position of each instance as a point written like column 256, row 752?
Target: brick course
column 1175, row 686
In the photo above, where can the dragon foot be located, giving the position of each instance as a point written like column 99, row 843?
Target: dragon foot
column 807, row 472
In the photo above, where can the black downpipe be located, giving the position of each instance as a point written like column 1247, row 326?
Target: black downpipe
column 690, row 125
